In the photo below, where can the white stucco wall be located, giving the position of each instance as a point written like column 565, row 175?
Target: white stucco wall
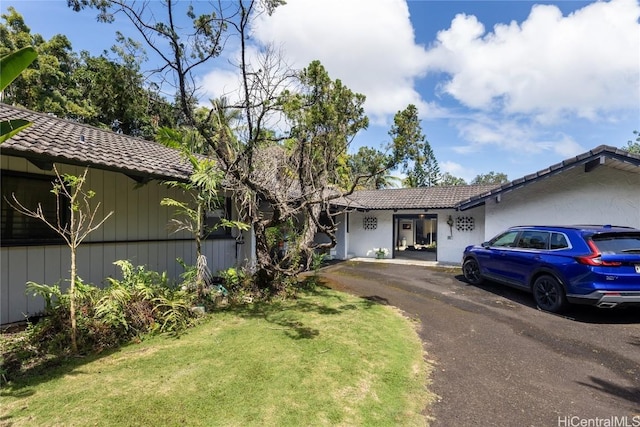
column 602, row 196
column 363, row 241
column 137, row 231
column 452, row 241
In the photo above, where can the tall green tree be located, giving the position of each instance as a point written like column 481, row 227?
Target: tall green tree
column 633, row 146
column 47, row 84
column 491, row 178
column 365, row 170
column 105, row 91
column 281, row 178
column 406, row 127
column 448, row 179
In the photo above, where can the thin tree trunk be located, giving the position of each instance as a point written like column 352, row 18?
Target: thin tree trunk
column 72, row 301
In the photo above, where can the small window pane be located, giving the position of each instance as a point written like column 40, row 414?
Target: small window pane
column 558, row 241
column 212, row 220
column 507, row 239
column 29, row 190
column 534, row 240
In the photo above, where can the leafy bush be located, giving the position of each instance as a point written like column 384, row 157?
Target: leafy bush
column 142, row 302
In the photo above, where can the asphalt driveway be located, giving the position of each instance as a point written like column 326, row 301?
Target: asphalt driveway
column 499, row 361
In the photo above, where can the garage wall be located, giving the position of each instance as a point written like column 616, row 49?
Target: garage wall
column 602, row 196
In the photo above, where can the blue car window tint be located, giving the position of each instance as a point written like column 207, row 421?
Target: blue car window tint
column 506, row 240
column 623, row 242
column 558, row 241
column 534, row 240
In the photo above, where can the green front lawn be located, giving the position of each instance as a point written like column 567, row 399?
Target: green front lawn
column 325, row 358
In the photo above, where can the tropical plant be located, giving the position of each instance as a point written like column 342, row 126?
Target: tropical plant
column 12, row 65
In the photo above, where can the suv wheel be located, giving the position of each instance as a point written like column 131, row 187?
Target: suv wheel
column 548, row 294
column 471, row 271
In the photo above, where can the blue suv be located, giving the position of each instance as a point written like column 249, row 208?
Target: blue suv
column 597, row 265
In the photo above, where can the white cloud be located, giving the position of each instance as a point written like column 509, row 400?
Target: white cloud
column 457, row 170
column 515, row 136
column 371, row 49
column 583, row 64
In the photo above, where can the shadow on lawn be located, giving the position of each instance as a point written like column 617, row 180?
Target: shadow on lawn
column 21, row 383
column 284, row 313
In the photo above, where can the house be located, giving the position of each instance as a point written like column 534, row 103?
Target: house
column 127, row 176
column 410, row 222
column 601, row 186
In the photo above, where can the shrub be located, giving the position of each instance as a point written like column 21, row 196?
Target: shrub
column 142, row 302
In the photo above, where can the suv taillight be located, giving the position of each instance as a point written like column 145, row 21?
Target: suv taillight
column 595, row 257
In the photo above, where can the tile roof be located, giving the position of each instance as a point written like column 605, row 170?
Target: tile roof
column 52, row 139
column 438, row 197
column 602, row 155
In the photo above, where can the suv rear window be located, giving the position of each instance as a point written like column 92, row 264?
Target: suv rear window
column 617, row 243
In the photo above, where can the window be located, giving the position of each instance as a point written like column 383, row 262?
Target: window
column 534, row 240
column 507, row 239
column 559, row 241
column 213, row 218
column 30, row 190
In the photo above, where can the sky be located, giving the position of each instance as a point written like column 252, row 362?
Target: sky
column 501, row 86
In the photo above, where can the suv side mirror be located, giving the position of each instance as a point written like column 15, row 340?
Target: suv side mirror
column 486, row 245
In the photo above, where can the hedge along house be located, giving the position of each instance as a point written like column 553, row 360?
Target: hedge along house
column 127, row 176
column 601, row 186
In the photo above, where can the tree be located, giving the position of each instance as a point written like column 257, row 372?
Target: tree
column 448, row 179
column 73, row 224
column 425, row 171
column 203, row 191
column 634, row 146
column 363, row 170
column 100, row 91
column 490, row 178
column 281, row 178
column 46, row 85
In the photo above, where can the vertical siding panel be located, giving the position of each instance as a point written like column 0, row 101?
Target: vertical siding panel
column 97, row 264
column 53, row 265
column 35, row 273
column 65, row 267
column 110, row 204
column 95, row 182
column 83, row 264
column 4, row 285
column 142, row 225
column 120, row 254
column 132, row 212
column 121, row 207
column 143, row 212
column 17, row 278
column 109, row 256
column 153, row 203
column 153, row 257
column 170, row 259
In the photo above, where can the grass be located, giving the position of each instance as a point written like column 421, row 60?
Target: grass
column 325, row 358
